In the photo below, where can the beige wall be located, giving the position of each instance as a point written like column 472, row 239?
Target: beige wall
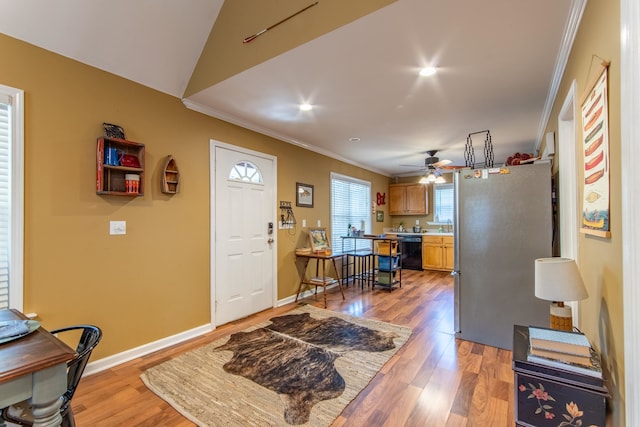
column 153, row 282
column 600, row 259
column 241, row 18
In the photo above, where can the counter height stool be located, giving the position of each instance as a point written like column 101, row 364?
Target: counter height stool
column 363, row 264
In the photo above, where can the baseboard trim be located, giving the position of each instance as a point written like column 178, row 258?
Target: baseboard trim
column 143, row 350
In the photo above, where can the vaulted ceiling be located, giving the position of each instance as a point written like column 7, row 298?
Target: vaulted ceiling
column 498, row 65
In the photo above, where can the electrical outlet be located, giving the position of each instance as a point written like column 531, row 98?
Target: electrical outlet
column 117, row 228
column 304, row 223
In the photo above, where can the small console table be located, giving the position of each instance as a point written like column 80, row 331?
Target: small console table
column 545, row 396
column 319, row 279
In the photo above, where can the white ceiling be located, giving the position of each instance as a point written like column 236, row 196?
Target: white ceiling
column 498, row 62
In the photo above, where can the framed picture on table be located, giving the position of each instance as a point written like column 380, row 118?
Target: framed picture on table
column 319, row 239
column 304, row 195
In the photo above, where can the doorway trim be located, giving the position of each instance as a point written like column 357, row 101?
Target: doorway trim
column 213, row 144
column 629, row 134
column 568, row 185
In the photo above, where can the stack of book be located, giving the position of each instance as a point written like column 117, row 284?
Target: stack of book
column 565, row 350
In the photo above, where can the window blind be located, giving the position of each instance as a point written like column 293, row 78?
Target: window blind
column 443, row 201
column 5, row 199
column 350, row 206
column 11, row 197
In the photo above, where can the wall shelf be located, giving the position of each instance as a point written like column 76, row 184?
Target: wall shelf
column 170, row 176
column 115, row 160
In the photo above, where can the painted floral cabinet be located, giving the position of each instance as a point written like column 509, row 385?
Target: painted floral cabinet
column 546, row 397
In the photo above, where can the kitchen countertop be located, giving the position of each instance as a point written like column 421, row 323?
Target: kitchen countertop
column 427, row 233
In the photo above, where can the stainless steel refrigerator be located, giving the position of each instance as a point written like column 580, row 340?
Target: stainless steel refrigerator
column 503, row 222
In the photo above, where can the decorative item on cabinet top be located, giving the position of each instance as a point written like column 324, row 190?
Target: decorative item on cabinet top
column 113, row 131
column 170, row 176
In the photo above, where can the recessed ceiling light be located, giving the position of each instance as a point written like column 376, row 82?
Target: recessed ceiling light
column 305, row 107
column 428, row 71
column 354, row 139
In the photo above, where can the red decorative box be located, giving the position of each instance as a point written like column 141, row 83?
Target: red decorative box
column 129, row 160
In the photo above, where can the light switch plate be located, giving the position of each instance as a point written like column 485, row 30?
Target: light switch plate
column 117, row 227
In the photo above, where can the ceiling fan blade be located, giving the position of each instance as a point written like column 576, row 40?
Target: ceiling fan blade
column 441, row 163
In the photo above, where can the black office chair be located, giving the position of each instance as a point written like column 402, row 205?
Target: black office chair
column 21, row 414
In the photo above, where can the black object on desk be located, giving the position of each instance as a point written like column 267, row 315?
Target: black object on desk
column 545, row 396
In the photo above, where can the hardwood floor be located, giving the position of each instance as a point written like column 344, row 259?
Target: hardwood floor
column 434, row 380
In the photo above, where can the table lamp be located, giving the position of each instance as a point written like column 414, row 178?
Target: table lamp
column 557, row 280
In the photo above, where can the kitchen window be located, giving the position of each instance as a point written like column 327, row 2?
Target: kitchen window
column 11, row 197
column 443, row 203
column 350, row 206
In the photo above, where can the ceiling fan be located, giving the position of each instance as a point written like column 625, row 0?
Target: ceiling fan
column 432, row 166
column 435, row 162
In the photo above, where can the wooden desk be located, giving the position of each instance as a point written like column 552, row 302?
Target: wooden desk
column 321, row 260
column 34, row 367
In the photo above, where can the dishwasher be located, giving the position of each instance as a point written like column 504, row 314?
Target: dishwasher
column 411, row 251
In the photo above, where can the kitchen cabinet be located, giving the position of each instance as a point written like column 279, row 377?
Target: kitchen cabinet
column 407, row 199
column 437, row 253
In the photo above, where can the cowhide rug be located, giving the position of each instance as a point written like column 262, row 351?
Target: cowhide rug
column 300, row 368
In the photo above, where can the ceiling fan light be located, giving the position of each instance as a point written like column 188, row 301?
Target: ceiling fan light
column 440, row 180
column 431, row 177
column 423, row 180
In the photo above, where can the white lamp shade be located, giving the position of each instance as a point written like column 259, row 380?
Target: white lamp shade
column 558, row 279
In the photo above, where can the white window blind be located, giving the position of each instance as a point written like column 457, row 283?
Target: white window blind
column 11, row 197
column 443, row 201
column 350, row 206
column 5, row 197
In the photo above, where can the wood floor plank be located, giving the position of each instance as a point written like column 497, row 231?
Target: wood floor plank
column 434, row 380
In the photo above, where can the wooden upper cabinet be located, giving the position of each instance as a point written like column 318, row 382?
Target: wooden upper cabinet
column 407, row 199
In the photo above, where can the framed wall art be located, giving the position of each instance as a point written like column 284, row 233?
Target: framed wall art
column 595, row 138
column 304, row 195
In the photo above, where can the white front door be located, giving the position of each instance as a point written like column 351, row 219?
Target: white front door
column 242, row 232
